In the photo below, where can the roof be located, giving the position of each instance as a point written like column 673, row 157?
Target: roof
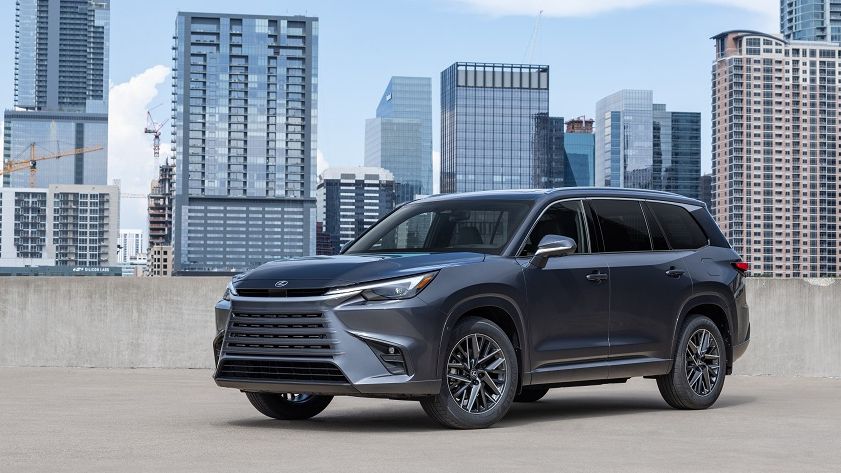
column 751, row 33
column 551, row 194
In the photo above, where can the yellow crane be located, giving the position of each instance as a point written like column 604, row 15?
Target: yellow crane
column 32, row 163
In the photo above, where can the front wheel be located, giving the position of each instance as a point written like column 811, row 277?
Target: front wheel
column 480, row 379
column 289, row 406
column 700, row 362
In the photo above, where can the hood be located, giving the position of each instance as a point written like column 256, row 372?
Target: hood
column 317, row 272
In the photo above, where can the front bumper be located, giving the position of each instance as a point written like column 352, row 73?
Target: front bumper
column 331, row 346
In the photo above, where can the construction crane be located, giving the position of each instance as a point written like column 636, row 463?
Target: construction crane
column 534, row 40
column 32, row 163
column 154, row 129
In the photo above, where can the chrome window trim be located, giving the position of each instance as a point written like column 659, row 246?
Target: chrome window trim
column 583, row 211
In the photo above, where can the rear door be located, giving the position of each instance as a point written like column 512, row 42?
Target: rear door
column 649, row 283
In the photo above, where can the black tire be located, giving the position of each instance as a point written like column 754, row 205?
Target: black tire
column 676, row 387
column 287, row 407
column 531, row 394
column 444, row 408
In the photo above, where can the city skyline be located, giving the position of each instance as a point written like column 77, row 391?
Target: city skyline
column 342, row 121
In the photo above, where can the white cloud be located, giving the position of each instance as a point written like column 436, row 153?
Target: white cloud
column 576, row 8
column 130, row 156
column 320, row 163
column 436, row 172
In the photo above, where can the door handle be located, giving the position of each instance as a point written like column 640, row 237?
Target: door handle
column 597, row 277
column 674, row 272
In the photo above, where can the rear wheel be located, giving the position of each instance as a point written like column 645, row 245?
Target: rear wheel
column 480, row 379
column 289, row 406
column 700, row 361
column 531, row 394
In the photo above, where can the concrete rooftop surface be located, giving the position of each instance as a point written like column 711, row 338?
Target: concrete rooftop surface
column 81, row 419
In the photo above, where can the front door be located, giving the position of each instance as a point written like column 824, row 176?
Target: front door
column 568, row 301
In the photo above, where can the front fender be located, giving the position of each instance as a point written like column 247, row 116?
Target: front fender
column 502, row 300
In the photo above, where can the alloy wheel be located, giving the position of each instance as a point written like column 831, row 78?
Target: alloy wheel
column 476, row 373
column 702, row 362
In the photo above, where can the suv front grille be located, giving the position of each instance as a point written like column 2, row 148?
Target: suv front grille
column 274, row 292
column 271, row 370
column 278, row 335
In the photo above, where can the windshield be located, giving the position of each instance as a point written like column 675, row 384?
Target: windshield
column 481, row 226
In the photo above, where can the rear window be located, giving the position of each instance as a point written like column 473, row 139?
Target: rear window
column 681, row 229
column 623, row 225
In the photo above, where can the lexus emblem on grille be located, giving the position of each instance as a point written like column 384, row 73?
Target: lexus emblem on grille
column 281, row 283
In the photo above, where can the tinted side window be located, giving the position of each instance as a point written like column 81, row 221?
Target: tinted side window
column 623, row 225
column 681, row 229
column 564, row 219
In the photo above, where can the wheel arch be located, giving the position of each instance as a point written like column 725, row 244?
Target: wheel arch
column 717, row 308
column 499, row 309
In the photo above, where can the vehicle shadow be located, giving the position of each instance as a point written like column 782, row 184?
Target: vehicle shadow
column 409, row 417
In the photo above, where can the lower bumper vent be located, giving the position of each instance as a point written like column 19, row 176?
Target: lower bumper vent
column 270, row 370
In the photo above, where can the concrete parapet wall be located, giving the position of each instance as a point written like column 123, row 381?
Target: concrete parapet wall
column 795, row 326
column 168, row 323
column 108, row 322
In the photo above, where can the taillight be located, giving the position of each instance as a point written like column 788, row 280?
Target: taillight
column 741, row 266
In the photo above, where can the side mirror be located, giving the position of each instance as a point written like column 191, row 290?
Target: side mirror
column 552, row 245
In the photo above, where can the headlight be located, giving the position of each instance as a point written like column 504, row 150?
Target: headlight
column 403, row 288
column 229, row 291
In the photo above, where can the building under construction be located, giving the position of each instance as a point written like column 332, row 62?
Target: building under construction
column 161, row 197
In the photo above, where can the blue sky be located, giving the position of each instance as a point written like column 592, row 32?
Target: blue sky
column 593, row 47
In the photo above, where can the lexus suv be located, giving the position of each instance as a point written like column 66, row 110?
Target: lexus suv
column 470, row 302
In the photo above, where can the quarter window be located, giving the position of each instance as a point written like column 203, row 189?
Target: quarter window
column 623, row 225
column 681, row 229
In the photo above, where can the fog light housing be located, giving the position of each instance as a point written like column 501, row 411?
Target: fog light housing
column 391, row 356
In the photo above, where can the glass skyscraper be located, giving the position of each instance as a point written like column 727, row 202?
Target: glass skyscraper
column 641, row 145
column 61, row 90
column 244, row 125
column 579, row 153
column 811, row 20
column 399, row 139
column 490, row 118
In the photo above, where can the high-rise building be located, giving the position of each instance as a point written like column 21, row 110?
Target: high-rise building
column 131, row 245
column 579, row 153
column 244, row 125
column 61, row 90
column 65, row 225
column 489, row 116
column 399, row 139
column 642, row 145
column 160, row 200
column 811, row 20
column 775, row 152
column 548, row 152
column 352, row 199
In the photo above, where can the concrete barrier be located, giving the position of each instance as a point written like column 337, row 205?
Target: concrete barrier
column 108, row 322
column 168, row 323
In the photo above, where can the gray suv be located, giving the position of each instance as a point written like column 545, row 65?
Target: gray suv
column 470, row 302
